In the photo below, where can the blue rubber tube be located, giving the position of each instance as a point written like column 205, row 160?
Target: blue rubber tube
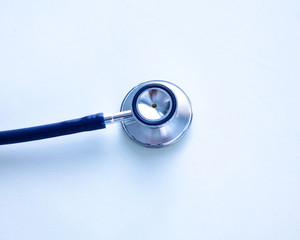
column 88, row 123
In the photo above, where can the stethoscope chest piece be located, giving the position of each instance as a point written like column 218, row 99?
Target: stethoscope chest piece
column 162, row 113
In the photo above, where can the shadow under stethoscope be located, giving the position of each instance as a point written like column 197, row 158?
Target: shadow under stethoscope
column 68, row 153
column 97, row 148
column 152, row 154
column 51, row 154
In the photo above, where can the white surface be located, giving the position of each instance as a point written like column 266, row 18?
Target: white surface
column 234, row 176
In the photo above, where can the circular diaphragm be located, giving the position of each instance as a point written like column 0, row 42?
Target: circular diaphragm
column 162, row 113
column 154, row 104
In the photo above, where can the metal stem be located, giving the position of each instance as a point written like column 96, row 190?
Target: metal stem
column 118, row 117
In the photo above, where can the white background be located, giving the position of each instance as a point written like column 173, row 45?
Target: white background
column 235, row 175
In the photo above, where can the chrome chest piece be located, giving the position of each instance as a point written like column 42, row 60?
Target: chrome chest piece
column 161, row 111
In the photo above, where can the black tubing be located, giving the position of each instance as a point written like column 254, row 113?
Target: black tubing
column 88, row 123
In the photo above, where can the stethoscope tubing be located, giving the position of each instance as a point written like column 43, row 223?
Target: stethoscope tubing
column 84, row 124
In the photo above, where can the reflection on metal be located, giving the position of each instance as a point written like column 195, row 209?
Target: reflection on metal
column 163, row 113
column 154, row 104
column 118, row 117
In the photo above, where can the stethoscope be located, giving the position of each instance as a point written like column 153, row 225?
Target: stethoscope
column 153, row 114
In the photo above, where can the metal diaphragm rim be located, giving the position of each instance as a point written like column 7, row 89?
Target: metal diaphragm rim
column 165, row 134
column 142, row 119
